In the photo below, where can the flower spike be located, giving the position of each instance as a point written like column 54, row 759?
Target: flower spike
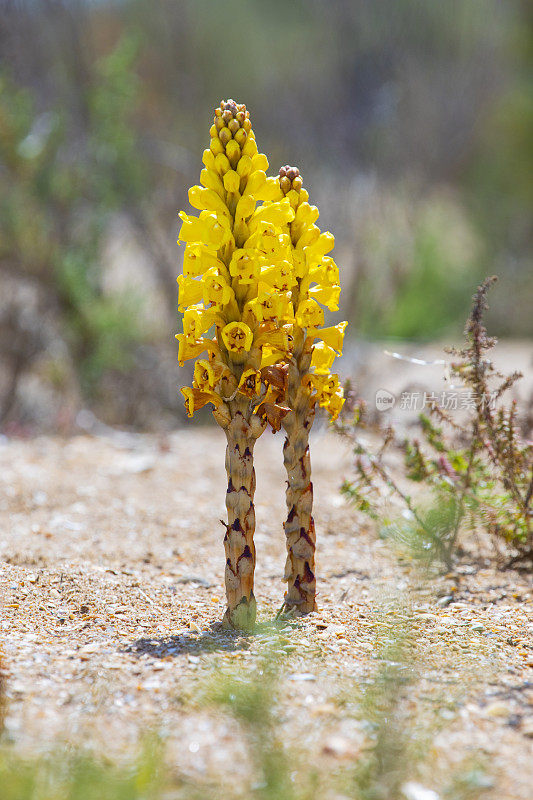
column 314, row 348
column 235, row 288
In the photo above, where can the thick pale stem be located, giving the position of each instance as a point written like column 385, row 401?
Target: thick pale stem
column 299, row 525
column 241, row 434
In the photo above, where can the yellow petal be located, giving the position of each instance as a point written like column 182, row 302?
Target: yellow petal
column 250, row 383
column 334, row 404
column 279, row 214
column 255, row 182
column 306, row 214
column 207, row 200
column 309, row 314
column 318, row 247
column 273, row 337
column 196, row 398
column 190, row 348
column 204, row 375
column 322, row 358
column 269, row 191
column 210, row 179
column 222, row 164
column 260, row 161
column 198, row 259
column 217, row 290
column 328, row 296
column 208, row 229
column 326, row 273
column 245, row 206
column 270, row 356
column 232, row 181
column 244, row 167
column 190, row 292
column 197, row 320
column 269, row 305
column 332, row 336
column 208, row 159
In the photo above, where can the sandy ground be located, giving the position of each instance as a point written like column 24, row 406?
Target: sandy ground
column 111, row 579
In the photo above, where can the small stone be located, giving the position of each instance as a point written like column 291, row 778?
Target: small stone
column 497, row 709
column 322, row 709
column 338, row 746
column 90, row 648
column 445, row 601
column 415, row 791
column 302, row 676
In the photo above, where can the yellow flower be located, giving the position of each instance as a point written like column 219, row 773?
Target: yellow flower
column 334, row 404
column 198, row 259
column 327, row 295
column 210, row 229
column 245, row 266
column 278, row 214
column 273, row 337
column 318, row 247
column 216, row 290
column 299, row 264
column 277, row 276
column 206, row 199
column 197, row 320
column 269, row 191
column 205, row 376
column 271, row 243
column 332, row 336
column 231, row 181
column 190, row 347
column 270, row 305
column 190, row 292
column 211, row 180
column 309, row 314
column 326, row 273
column 305, row 215
column 270, row 356
column 308, row 237
column 196, row 398
column 322, row 358
column 237, row 337
column 329, row 388
column 314, row 381
column 250, row 383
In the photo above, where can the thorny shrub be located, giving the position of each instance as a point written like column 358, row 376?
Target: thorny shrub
column 479, row 470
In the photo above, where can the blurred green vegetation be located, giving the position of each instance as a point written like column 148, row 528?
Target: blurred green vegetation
column 411, row 122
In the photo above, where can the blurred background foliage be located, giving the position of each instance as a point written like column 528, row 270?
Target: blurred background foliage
column 411, row 122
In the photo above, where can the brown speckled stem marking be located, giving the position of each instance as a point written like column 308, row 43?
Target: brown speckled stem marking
column 299, row 526
column 241, row 433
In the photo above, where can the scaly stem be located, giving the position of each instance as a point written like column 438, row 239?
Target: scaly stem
column 299, row 525
column 241, row 433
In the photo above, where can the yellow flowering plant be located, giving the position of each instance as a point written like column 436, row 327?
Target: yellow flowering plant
column 310, row 382
column 235, row 297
